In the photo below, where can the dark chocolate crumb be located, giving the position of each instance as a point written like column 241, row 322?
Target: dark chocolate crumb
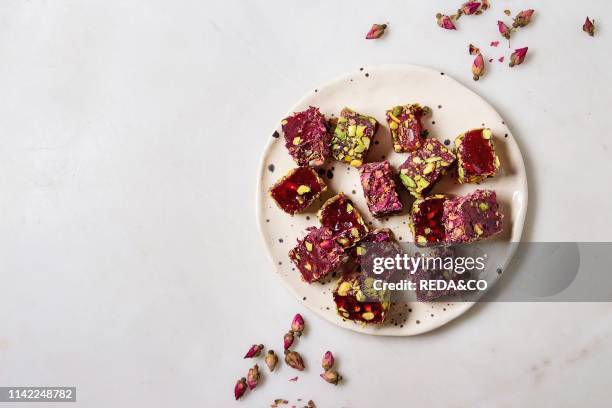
column 268, row 220
column 503, row 123
column 361, row 69
column 400, row 238
column 401, row 325
column 439, row 106
column 418, row 322
column 271, row 167
column 367, row 75
column 506, row 135
column 327, row 307
column 275, row 134
column 280, row 240
column 354, row 192
column 444, row 309
column 316, row 90
column 441, row 73
column 330, row 175
column 432, row 315
column 433, row 122
column 409, row 310
column 483, row 125
column 351, row 79
column 447, row 142
column 304, row 298
column 280, row 263
column 499, row 271
column 307, row 217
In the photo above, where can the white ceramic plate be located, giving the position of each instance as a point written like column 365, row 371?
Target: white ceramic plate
column 371, row 91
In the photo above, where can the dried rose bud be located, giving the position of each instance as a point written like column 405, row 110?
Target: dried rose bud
column 523, row 18
column 254, row 351
column 271, row 360
column 331, row 376
column 294, row 360
column 297, row 325
column 518, row 56
column 478, row 67
column 240, row 388
column 294, row 379
column 470, row 7
column 328, row 360
column 445, row 22
column 589, row 27
column 288, row 340
column 494, row 43
column 253, row 377
column 376, row 31
column 473, row 50
column 504, row 30
column 485, row 4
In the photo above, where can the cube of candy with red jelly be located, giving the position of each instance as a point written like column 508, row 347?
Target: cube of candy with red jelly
column 379, row 188
column 297, row 190
column 425, row 166
column 476, row 158
column 352, row 137
column 472, row 217
column 306, row 137
column 357, row 300
column 426, row 220
column 378, row 243
column 406, row 127
column 317, row 255
column 340, row 215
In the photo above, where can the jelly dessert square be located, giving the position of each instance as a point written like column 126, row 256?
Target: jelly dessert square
column 425, row 166
column 317, row 255
column 357, row 300
column 378, row 243
column 438, row 270
column 340, row 215
column 297, row 190
column 426, row 220
column 379, row 188
column 472, row 217
column 352, row 137
column 476, row 158
column 306, row 137
column 406, row 127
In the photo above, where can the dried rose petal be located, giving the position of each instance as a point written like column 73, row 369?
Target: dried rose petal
column 328, row 360
column 253, row 377
column 589, row 27
column 254, row 351
column 523, row 18
column 445, row 22
column 271, row 360
column 331, row 376
column 288, row 340
column 518, row 56
column 504, row 30
column 240, row 388
column 490, row 59
column 294, row 379
column 470, row 7
column 494, row 43
column 294, row 360
column 478, row 67
column 376, row 31
column 297, row 325
column 473, row 50
column 501, row 59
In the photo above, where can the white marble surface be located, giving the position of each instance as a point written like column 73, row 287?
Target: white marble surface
column 131, row 264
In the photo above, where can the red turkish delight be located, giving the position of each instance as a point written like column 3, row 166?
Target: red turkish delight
column 357, row 300
column 379, row 188
column 472, row 217
column 307, row 137
column 476, row 158
column 340, row 215
column 425, row 166
column 317, row 255
column 297, row 190
column 378, row 243
column 406, row 127
column 426, row 220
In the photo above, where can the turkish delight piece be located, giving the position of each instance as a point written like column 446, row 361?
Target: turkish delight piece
column 297, row 190
column 472, row 217
column 352, row 137
column 378, row 243
column 306, row 137
column 379, row 188
column 357, row 300
column 406, row 127
column 425, row 166
column 476, row 158
column 340, row 215
column 426, row 220
column 317, row 255
column 438, row 268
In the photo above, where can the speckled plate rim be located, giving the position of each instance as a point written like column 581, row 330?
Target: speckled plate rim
column 462, row 307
